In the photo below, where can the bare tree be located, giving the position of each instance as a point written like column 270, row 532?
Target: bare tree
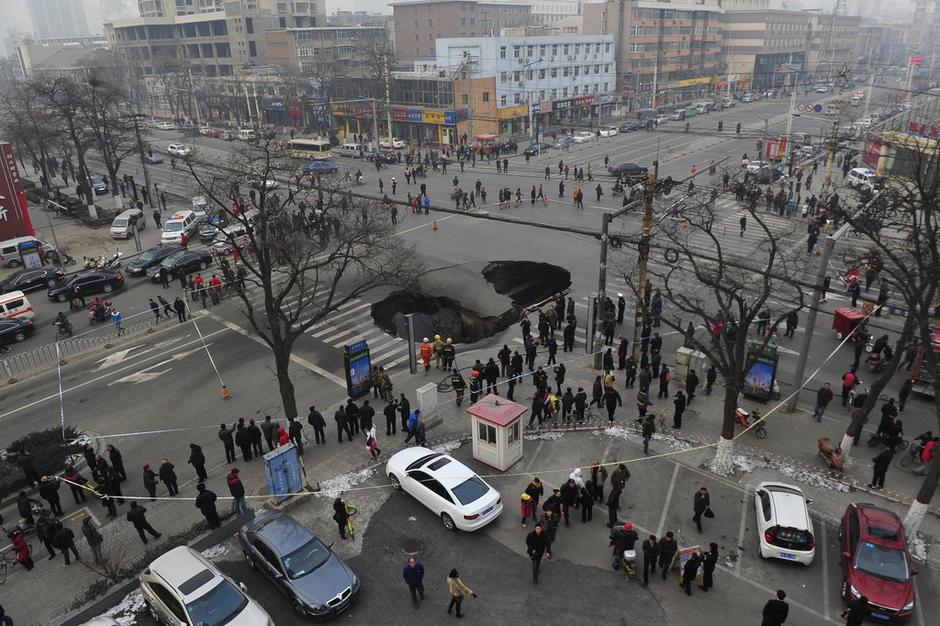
column 27, row 123
column 308, row 250
column 710, row 281
column 109, row 126
column 116, row 563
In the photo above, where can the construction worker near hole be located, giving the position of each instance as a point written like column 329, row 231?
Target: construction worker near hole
column 438, row 348
column 449, row 353
column 425, row 350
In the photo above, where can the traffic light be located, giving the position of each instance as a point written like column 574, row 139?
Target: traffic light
column 737, row 128
column 721, row 126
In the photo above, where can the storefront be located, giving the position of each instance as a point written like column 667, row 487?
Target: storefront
column 573, row 111
column 513, row 120
column 351, row 118
column 275, row 111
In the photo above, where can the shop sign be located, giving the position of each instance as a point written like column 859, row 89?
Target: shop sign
column 545, row 106
column 431, row 116
column 414, row 115
column 271, row 104
column 691, row 82
column 584, row 101
column 452, row 117
column 509, row 113
column 561, row 105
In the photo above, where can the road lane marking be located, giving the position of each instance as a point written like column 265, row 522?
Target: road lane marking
column 825, row 570
column 662, row 516
column 741, row 528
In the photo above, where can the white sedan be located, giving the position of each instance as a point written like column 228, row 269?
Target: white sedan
column 784, row 527
column 450, row 489
column 164, row 125
column 755, row 166
column 609, row 132
column 582, row 137
column 179, row 149
column 395, row 144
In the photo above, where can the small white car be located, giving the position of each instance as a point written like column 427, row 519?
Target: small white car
column 164, row 125
column 179, row 149
column 450, row 489
column 181, row 587
column 267, row 184
column 393, row 144
column 755, row 166
column 784, row 527
column 660, row 120
column 610, row 131
column 582, row 137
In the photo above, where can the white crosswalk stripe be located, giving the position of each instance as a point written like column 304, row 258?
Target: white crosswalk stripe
column 346, row 331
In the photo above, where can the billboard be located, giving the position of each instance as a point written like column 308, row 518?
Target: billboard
column 14, row 211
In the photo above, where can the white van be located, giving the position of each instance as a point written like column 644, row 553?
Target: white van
column 10, row 252
column 235, row 233
column 176, row 225
column 247, row 134
column 126, row 222
column 862, row 178
column 351, row 150
column 16, row 305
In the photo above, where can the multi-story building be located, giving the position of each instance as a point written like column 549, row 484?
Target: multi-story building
column 765, row 49
column 358, row 18
column 418, row 24
column 565, row 79
column 281, row 14
column 665, row 52
column 342, row 49
column 61, row 55
column 57, row 18
column 832, row 44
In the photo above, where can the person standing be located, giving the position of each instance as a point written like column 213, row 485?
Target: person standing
column 342, row 424
column 613, row 504
column 315, row 419
column 94, row 539
column 776, row 610
column 254, row 436
column 198, row 460
column 225, row 434
column 709, row 560
column 46, row 527
column 150, row 482
column 689, row 572
column 295, row 430
column 340, row 516
column 137, row 516
column 691, row 382
column 268, row 426
column 413, row 573
column 372, row 443
column 823, row 398
column 650, row 555
column 237, row 489
column 205, row 502
column 168, row 477
column 456, row 587
column 180, row 307
column 649, row 429
column 855, row 615
column 64, row 540
column 668, row 546
column 701, row 502
column 537, row 546
column 49, row 491
column 679, row 403
column 881, row 463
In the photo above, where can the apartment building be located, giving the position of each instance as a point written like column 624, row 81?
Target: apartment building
column 310, row 50
column 665, row 52
column 419, row 24
column 765, row 49
column 832, row 44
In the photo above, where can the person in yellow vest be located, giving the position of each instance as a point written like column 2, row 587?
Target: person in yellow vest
column 438, row 348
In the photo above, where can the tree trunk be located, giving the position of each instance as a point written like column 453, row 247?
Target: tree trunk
column 284, row 383
column 915, row 514
column 724, row 462
column 860, row 416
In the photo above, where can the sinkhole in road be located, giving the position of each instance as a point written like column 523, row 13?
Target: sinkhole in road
column 525, row 283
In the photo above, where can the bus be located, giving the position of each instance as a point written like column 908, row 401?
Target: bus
column 316, row 149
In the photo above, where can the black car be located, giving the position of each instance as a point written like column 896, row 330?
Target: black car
column 99, row 184
column 15, row 331
column 768, row 174
column 533, row 149
column 383, row 156
column 629, row 171
column 27, row 280
column 90, row 281
column 149, row 258
column 627, row 127
column 185, row 261
column 209, row 226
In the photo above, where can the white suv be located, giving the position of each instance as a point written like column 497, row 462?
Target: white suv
column 784, row 526
column 179, row 149
column 182, row 588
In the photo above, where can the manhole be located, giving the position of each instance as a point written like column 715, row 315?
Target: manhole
column 411, row 547
column 524, row 282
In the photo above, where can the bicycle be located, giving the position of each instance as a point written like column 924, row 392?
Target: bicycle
column 8, row 561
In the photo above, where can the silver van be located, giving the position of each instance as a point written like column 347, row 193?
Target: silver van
column 126, row 222
column 353, row 150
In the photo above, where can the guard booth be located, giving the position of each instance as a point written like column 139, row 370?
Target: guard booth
column 496, row 430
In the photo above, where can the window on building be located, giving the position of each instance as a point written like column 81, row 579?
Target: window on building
column 554, row 93
column 252, row 49
column 465, row 99
column 502, row 52
column 607, row 47
column 515, row 99
column 565, row 49
column 576, row 70
column 417, row 36
column 416, row 23
column 554, row 49
column 516, row 76
column 564, row 71
column 596, row 87
column 564, row 92
column 554, row 72
column 605, row 87
column 606, row 68
column 597, row 69
column 541, row 94
column 463, row 21
column 249, row 25
column 577, row 48
column 542, row 50
column 503, row 77
column 530, row 75
column 502, row 101
column 486, row 96
column 576, row 90
column 529, row 51
column 417, row 52
column 515, row 52
column 430, row 23
column 473, row 21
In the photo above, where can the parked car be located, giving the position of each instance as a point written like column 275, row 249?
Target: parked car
column 609, row 131
column 209, row 225
column 450, row 489
column 179, row 149
column 770, row 174
column 148, row 258
column 182, row 587
column 320, row 167
column 15, row 330
column 534, row 148
column 876, row 563
column 659, row 120
column 627, row 127
column 181, row 261
column 582, row 137
column 395, row 144
column 382, row 156
column 153, row 159
column 164, row 125
column 755, row 166
column 748, row 97
column 315, row 580
column 563, row 142
column 30, row 279
column 630, row 171
column 91, row 281
column 677, row 116
column 784, row 527
column 210, row 132
column 822, row 89
column 99, row 184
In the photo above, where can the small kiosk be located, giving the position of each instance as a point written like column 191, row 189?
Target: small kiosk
column 496, row 429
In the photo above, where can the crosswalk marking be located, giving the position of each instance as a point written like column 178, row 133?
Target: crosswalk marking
column 349, row 330
column 332, row 319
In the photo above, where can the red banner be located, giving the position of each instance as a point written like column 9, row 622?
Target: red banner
column 916, row 61
column 14, row 209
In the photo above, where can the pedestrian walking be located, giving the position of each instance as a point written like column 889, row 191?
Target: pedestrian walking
column 150, row 482
column 155, row 309
column 205, row 502
column 776, row 610
column 535, row 490
column 49, row 491
column 198, row 460
column 701, row 505
column 413, row 573
column 46, row 527
column 237, row 489
column 709, row 561
column 689, row 572
column 454, row 585
column 823, row 398
column 340, row 516
column 93, row 538
column 180, row 307
column 137, row 515
column 881, row 464
column 648, row 430
column 691, row 383
column 228, row 441
column 372, row 443
column 743, row 223
column 537, row 546
column 650, row 555
column 167, row 475
column 64, row 540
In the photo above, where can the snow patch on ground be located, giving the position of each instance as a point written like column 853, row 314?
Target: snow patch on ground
column 335, row 486
column 548, row 435
column 447, row 447
column 630, row 434
column 746, row 463
column 125, row 612
column 918, row 547
column 215, row 551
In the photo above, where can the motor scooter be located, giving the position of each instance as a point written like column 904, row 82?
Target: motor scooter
column 744, row 419
column 830, row 454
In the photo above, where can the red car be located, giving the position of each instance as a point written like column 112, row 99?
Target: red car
column 875, row 562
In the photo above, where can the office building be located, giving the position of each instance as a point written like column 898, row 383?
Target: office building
column 765, row 49
column 57, row 18
column 343, row 49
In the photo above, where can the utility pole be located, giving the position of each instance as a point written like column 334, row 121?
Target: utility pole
column 871, row 87
column 388, row 101
column 834, row 136
column 192, row 97
column 375, row 128
column 468, row 61
column 789, row 128
column 644, row 257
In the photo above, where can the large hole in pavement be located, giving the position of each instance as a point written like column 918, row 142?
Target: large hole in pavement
column 524, row 282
